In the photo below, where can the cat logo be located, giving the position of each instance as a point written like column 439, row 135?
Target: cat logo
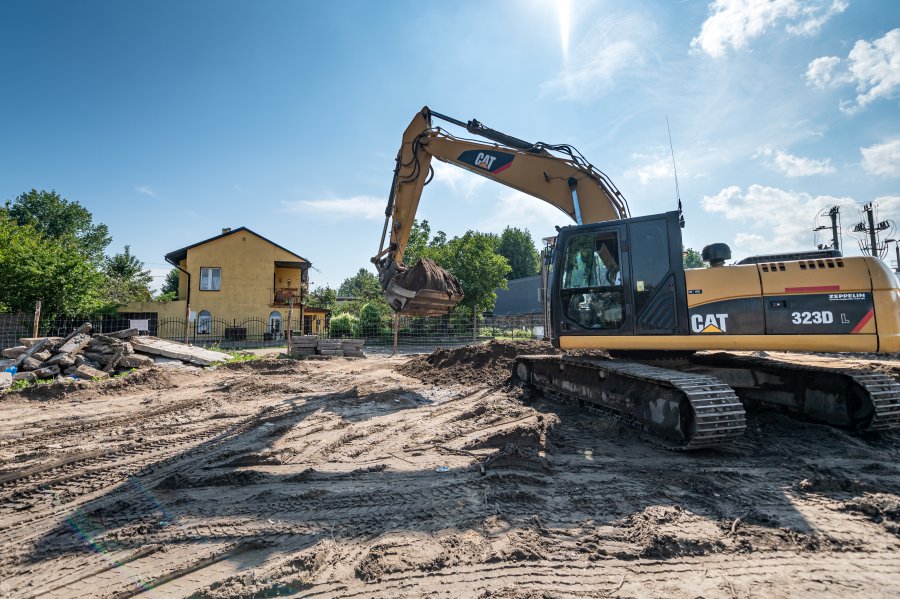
column 485, row 160
column 709, row 323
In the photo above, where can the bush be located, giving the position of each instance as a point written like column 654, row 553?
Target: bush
column 344, row 325
column 371, row 322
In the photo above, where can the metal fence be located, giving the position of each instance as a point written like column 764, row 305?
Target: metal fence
column 418, row 334
column 13, row 327
column 414, row 334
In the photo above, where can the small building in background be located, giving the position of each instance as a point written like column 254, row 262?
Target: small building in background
column 239, row 286
column 520, row 305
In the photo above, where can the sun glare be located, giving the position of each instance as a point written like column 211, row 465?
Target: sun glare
column 564, row 9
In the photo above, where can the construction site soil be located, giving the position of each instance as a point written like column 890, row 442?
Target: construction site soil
column 421, row 476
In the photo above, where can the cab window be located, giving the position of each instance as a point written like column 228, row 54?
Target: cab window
column 591, row 281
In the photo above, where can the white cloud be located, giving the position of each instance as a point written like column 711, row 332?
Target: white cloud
column 146, row 190
column 611, row 48
column 734, row 23
column 822, row 72
column 874, row 67
column 882, row 159
column 652, row 167
column 815, row 17
column 517, row 209
column 796, row 166
column 357, row 207
column 461, row 181
column 775, row 220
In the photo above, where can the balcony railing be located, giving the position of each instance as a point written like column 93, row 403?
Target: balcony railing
column 283, row 296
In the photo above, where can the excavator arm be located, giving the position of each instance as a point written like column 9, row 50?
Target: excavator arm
column 556, row 174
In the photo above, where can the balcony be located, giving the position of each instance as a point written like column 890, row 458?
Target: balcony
column 282, row 296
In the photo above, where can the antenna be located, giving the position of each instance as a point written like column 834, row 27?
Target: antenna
column 675, row 170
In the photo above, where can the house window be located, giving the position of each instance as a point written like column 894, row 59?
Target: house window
column 203, row 321
column 210, row 279
column 275, row 322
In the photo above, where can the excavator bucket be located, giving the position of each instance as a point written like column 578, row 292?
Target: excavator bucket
column 426, row 289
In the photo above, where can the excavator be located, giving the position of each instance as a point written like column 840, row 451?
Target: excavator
column 617, row 283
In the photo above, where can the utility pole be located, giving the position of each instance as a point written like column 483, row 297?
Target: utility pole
column 871, row 229
column 896, row 249
column 833, row 214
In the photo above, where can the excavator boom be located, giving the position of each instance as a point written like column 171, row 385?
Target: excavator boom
column 556, row 174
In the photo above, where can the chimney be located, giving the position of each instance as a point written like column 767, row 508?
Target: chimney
column 226, row 230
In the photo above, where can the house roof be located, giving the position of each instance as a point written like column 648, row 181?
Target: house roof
column 178, row 255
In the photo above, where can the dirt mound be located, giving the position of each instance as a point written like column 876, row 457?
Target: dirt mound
column 666, row 531
column 425, row 274
column 489, row 363
column 145, row 378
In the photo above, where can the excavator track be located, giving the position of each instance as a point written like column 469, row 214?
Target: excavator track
column 682, row 411
column 854, row 398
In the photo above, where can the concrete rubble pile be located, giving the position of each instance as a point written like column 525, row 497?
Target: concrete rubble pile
column 310, row 345
column 87, row 355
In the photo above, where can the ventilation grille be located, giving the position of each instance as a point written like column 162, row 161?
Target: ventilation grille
column 817, row 264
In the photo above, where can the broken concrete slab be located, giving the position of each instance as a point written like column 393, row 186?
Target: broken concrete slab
column 135, row 361
column 61, row 360
column 50, row 341
column 29, row 377
column 185, row 353
column 114, row 360
column 46, row 373
column 31, row 363
column 86, row 372
column 86, row 328
column 124, row 334
column 75, row 344
column 31, row 350
column 14, row 352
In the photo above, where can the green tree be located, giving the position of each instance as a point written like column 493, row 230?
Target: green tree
column 126, row 279
column 475, row 261
column 323, row 297
column 34, row 267
column 692, row 259
column 421, row 244
column 57, row 218
column 363, row 286
column 170, row 285
column 517, row 247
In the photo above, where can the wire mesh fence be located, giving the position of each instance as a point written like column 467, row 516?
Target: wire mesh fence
column 418, row 334
column 13, row 327
column 414, row 334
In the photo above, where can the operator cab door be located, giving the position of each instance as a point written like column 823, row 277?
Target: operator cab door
column 620, row 278
column 591, row 281
column 657, row 269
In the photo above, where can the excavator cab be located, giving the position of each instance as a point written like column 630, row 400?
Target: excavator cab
column 621, row 277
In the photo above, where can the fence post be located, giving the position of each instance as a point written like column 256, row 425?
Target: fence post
column 187, row 317
column 396, row 331
column 37, row 317
column 290, row 327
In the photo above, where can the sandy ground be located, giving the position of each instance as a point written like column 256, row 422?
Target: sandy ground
column 347, row 478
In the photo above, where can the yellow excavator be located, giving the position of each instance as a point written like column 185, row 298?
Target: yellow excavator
column 617, row 283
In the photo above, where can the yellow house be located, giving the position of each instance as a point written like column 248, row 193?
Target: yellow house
column 234, row 287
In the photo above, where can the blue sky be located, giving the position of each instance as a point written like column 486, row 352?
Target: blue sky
column 171, row 120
